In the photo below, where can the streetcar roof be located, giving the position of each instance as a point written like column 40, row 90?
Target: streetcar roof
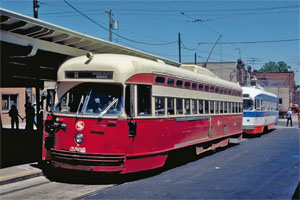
column 254, row 92
column 125, row 66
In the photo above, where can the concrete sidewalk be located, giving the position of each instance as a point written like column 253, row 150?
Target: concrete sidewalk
column 19, row 173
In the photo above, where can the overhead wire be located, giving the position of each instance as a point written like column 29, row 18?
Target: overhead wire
column 125, row 38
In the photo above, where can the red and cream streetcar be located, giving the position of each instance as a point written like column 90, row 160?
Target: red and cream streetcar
column 120, row 113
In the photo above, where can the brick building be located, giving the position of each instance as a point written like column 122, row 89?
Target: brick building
column 279, row 83
column 9, row 97
column 296, row 96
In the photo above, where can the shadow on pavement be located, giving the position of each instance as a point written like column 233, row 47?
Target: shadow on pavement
column 176, row 159
column 19, row 147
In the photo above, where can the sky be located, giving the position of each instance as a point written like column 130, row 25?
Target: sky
column 255, row 31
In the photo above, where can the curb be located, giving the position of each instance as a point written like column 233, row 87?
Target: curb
column 20, row 176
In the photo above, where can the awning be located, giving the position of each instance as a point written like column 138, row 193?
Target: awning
column 32, row 50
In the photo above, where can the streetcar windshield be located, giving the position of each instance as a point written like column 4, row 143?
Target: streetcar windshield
column 92, row 99
column 247, row 104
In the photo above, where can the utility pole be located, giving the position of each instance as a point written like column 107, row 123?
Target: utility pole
column 110, row 13
column 253, row 60
column 35, row 8
column 195, row 58
column 179, row 47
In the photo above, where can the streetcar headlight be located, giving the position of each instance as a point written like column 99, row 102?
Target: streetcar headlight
column 79, row 138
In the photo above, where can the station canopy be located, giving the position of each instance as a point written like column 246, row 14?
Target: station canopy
column 32, row 50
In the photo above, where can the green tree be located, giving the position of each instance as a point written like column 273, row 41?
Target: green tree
column 271, row 66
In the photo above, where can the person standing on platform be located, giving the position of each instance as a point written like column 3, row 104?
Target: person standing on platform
column 29, row 111
column 289, row 118
column 14, row 114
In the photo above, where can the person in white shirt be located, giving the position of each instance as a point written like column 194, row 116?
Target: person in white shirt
column 289, row 118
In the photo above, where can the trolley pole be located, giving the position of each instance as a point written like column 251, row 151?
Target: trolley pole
column 35, row 8
column 195, row 58
column 110, row 13
column 179, row 47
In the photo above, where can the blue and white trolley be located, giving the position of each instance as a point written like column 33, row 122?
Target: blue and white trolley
column 260, row 110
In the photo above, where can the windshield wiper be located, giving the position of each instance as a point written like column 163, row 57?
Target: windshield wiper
column 107, row 108
column 80, row 103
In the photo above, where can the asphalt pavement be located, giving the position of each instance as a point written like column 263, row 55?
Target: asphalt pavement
column 212, row 176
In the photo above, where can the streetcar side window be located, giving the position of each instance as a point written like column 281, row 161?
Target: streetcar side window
column 225, row 107
column 159, row 105
column 248, row 104
column 221, row 90
column 201, row 87
column 233, row 107
column 206, row 106
column 257, row 104
column 217, row 107
column 187, row 84
column 160, row 79
column 128, row 100
column 212, row 107
column 187, row 107
column 221, row 107
column 217, row 89
column 171, row 81
column 179, row 107
column 229, row 107
column 201, row 107
column 170, row 106
column 194, row 86
column 206, row 88
column 194, row 106
column 225, row 91
column 144, row 99
column 179, row 83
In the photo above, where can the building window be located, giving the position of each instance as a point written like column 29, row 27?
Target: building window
column 9, row 100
